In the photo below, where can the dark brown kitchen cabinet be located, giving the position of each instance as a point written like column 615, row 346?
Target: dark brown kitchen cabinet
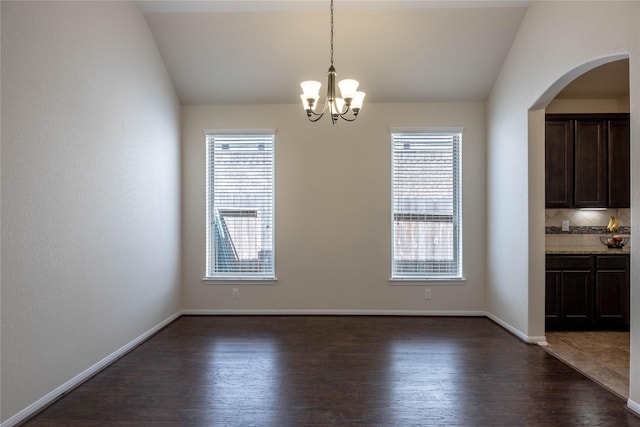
column 590, row 164
column 569, row 292
column 612, row 291
column 619, row 163
column 587, row 292
column 559, row 163
column 587, row 160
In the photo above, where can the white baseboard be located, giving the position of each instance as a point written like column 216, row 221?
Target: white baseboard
column 634, row 407
column 85, row 375
column 328, row 312
column 542, row 340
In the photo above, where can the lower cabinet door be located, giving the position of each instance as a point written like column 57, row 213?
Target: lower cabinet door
column 577, row 299
column 612, row 303
column 553, row 298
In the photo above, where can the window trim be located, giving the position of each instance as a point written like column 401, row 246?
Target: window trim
column 232, row 278
column 420, row 279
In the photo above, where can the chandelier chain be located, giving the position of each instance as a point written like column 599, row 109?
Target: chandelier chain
column 332, row 32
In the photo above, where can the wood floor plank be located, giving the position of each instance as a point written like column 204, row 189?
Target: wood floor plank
column 336, row 371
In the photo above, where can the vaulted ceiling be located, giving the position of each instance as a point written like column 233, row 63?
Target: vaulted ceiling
column 257, row 52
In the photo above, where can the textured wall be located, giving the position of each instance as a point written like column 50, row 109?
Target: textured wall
column 90, row 191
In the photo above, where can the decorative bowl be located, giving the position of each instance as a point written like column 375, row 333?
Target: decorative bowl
column 616, row 242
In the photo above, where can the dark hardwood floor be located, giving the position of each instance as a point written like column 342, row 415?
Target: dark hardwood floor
column 337, row 371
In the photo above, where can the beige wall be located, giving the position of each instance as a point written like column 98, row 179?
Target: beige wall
column 333, row 221
column 90, row 192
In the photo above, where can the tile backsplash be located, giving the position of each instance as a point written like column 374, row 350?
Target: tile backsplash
column 584, row 221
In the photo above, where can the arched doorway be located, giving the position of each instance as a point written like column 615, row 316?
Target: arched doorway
column 578, row 349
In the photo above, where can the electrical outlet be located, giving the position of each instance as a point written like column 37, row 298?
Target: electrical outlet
column 427, row 294
column 235, row 293
column 565, row 225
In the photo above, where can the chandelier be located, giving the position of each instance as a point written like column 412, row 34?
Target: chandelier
column 346, row 107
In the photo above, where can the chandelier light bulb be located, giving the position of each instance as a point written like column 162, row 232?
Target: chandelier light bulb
column 348, row 88
column 305, row 102
column 356, row 103
column 311, row 88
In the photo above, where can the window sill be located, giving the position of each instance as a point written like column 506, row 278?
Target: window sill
column 239, row 280
column 420, row 281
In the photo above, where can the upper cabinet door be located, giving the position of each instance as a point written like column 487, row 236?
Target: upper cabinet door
column 619, row 163
column 587, row 162
column 559, row 163
column 590, row 167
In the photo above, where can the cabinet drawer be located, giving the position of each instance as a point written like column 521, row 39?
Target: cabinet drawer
column 569, row 262
column 611, row 262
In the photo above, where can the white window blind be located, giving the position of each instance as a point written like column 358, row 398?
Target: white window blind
column 426, row 203
column 240, row 200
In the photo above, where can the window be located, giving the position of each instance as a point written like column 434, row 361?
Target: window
column 240, row 199
column 426, row 206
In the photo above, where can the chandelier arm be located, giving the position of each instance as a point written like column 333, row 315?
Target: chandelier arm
column 347, row 108
column 347, row 119
column 311, row 114
column 318, row 117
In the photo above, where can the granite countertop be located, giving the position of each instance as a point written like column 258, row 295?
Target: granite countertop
column 581, row 244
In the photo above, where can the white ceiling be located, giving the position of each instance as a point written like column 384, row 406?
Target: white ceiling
column 257, row 52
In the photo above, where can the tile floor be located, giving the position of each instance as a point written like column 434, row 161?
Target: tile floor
column 601, row 356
